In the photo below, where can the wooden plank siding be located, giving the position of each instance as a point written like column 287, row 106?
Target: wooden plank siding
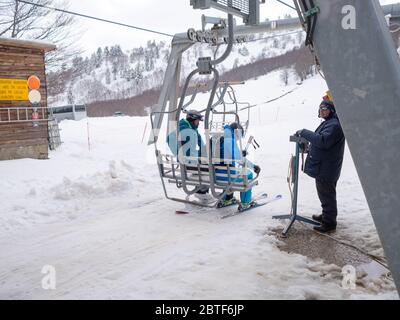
column 22, row 139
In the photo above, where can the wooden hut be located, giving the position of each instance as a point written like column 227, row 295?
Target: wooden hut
column 23, row 124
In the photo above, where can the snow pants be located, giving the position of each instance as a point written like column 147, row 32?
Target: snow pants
column 245, row 197
column 327, row 196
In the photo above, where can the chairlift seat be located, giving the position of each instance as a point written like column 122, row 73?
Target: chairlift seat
column 199, row 175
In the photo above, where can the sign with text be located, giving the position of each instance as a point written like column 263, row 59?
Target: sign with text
column 13, row 89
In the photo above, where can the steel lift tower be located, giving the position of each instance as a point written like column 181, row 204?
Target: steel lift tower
column 362, row 69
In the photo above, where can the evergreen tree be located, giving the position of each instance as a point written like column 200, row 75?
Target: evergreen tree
column 87, row 66
column 77, row 67
column 138, row 74
column 70, row 95
column 149, row 62
column 114, row 69
column 99, row 58
column 106, row 54
column 108, row 76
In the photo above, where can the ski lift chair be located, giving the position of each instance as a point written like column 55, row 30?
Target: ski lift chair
column 208, row 172
column 201, row 173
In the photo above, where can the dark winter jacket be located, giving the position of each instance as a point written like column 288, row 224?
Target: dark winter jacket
column 325, row 158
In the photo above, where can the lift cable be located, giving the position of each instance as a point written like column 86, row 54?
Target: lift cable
column 287, row 5
column 275, row 36
column 96, row 18
column 269, row 101
column 127, row 25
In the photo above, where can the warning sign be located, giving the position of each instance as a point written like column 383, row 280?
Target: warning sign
column 13, row 89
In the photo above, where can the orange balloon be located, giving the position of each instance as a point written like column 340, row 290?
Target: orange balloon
column 33, row 82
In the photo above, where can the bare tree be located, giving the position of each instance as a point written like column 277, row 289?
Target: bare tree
column 285, row 76
column 305, row 64
column 33, row 22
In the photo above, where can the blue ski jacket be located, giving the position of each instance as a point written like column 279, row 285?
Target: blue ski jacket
column 189, row 139
column 229, row 149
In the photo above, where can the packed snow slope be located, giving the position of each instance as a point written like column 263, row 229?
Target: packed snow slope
column 97, row 213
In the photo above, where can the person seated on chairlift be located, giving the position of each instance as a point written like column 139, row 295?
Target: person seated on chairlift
column 190, row 145
column 229, row 151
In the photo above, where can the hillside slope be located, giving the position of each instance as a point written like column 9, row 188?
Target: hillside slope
column 111, row 74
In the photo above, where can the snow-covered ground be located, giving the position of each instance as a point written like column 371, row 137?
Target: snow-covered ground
column 99, row 216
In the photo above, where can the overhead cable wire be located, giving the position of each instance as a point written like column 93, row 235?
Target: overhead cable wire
column 96, row 18
column 275, row 36
column 128, row 25
column 269, row 101
column 287, row 5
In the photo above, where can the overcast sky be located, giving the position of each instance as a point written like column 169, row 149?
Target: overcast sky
column 169, row 16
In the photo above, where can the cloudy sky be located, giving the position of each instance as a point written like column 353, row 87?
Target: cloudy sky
column 168, row 16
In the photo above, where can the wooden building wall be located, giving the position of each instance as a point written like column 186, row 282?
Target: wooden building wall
column 22, row 139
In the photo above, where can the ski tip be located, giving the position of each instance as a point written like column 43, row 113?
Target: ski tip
column 181, row 212
column 279, row 196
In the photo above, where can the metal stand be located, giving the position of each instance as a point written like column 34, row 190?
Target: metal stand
column 294, row 216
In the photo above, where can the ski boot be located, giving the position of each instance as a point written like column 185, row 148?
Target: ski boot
column 204, row 197
column 246, row 206
column 326, row 228
column 317, row 217
column 226, row 203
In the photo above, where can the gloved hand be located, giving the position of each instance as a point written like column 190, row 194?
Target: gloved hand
column 244, row 153
column 257, row 169
column 298, row 133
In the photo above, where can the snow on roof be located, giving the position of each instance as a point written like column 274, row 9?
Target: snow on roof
column 35, row 44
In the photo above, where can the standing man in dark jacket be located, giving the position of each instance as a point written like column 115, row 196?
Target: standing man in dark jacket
column 324, row 162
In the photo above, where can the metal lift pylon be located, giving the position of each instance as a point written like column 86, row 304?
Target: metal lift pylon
column 353, row 44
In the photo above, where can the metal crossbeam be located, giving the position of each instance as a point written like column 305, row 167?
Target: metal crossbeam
column 249, row 10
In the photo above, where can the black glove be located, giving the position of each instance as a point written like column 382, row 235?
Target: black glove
column 257, row 169
column 298, row 133
column 244, row 153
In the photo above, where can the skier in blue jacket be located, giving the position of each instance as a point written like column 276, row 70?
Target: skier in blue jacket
column 189, row 145
column 189, row 141
column 229, row 151
column 324, row 162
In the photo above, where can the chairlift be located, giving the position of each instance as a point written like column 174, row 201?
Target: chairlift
column 206, row 171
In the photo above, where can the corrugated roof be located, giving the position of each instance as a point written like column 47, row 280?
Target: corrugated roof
column 31, row 44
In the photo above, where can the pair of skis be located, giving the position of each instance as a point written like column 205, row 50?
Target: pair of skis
column 258, row 201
